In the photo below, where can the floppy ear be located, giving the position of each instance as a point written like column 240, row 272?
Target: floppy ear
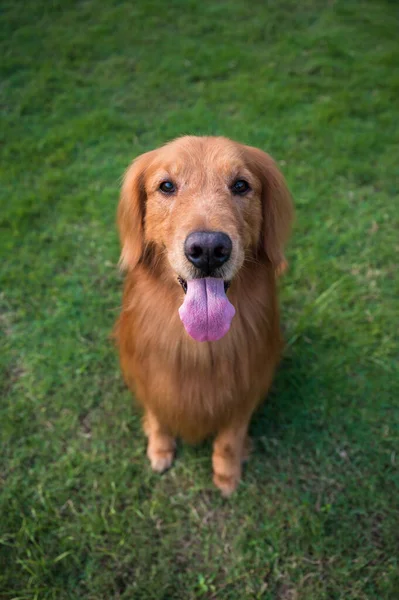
column 278, row 210
column 131, row 212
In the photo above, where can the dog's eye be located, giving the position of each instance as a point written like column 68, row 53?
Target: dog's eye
column 167, row 187
column 240, row 187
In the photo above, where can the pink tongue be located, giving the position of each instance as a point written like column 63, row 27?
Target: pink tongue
column 206, row 312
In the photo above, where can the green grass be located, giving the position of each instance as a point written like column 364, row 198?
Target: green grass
column 88, row 85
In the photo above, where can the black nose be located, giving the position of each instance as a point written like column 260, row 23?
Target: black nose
column 207, row 250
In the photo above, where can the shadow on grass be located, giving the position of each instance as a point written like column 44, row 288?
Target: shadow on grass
column 305, row 383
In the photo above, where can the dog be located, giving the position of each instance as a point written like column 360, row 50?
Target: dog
column 203, row 222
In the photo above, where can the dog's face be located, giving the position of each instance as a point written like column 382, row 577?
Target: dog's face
column 206, row 202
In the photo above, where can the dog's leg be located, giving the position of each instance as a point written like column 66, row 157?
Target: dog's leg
column 231, row 447
column 161, row 445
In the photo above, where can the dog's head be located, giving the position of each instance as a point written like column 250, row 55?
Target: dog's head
column 208, row 204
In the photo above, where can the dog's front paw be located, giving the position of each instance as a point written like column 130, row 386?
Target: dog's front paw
column 160, row 460
column 227, row 484
column 226, row 472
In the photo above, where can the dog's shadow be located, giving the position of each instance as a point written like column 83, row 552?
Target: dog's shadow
column 291, row 408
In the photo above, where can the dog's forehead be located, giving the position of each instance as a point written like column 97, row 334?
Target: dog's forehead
column 201, row 157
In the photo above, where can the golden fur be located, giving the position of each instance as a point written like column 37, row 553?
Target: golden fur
column 187, row 388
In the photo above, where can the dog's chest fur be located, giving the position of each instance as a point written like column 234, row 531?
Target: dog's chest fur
column 195, row 387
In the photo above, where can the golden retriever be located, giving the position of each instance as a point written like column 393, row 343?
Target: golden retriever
column 203, row 222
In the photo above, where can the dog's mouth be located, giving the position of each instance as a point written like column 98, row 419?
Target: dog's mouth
column 183, row 283
column 206, row 312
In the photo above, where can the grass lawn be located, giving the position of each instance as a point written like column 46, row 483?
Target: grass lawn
column 87, row 86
